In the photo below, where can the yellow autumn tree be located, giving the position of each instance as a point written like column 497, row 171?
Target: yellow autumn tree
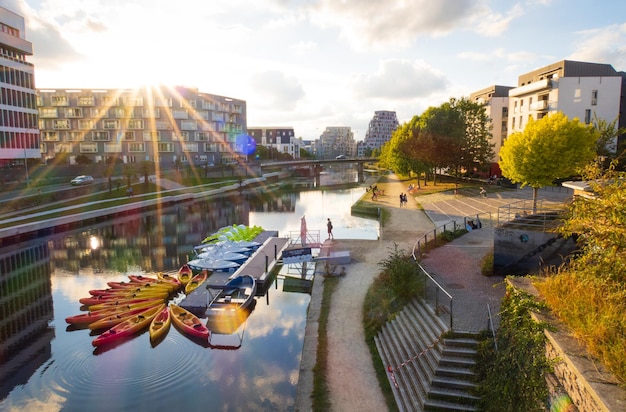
column 550, row 148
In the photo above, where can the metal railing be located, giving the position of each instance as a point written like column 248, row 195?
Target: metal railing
column 525, row 214
column 435, row 295
column 430, row 239
column 491, row 328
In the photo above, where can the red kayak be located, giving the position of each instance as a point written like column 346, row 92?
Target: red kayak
column 188, row 322
column 128, row 327
column 95, row 315
column 112, row 297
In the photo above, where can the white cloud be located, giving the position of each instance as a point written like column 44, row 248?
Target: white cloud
column 491, row 24
column 275, row 90
column 399, row 79
column 603, row 45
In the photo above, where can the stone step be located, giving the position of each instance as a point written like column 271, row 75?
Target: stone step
column 452, row 383
column 434, row 405
column 459, row 352
column 452, row 396
column 457, row 362
column 458, row 373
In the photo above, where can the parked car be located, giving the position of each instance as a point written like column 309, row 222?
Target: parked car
column 82, row 180
column 341, row 157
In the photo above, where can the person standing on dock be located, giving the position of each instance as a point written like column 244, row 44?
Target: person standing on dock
column 329, row 225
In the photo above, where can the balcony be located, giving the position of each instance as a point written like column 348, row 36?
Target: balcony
column 541, row 105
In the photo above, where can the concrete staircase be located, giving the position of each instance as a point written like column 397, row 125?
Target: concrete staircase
column 427, row 371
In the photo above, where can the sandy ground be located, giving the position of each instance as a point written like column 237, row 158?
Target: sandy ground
column 352, row 380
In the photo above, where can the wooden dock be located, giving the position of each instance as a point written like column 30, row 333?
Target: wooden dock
column 259, row 266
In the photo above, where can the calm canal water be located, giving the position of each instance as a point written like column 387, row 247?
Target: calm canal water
column 46, row 366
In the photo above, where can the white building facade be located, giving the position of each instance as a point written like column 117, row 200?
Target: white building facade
column 19, row 136
column 336, row 141
column 496, row 102
column 379, row 130
column 281, row 139
column 577, row 89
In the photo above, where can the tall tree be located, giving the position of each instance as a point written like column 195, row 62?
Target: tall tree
column 607, row 136
column 547, row 149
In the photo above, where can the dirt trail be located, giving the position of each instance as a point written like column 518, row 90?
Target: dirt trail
column 351, row 379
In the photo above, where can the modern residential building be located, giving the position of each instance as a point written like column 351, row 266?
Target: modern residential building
column 577, row 89
column 496, row 102
column 336, row 141
column 281, row 139
column 380, row 129
column 19, row 136
column 159, row 124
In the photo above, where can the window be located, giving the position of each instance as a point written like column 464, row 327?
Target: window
column 85, row 124
column 594, row 98
column 163, row 102
column 99, row 113
column 100, row 137
column 59, row 100
column 136, row 147
column 520, row 122
column 109, row 101
column 513, row 123
column 208, row 105
column 113, row 147
column 192, row 103
column 61, row 124
column 151, row 113
column 110, row 124
column 152, row 136
column 121, row 113
column 587, row 116
column 135, row 124
column 73, row 113
column 203, row 137
column 165, row 147
column 190, row 147
column 48, row 112
column 62, row 148
column 180, row 114
column 182, row 136
column 133, row 101
column 74, row 137
column 50, row 137
column 188, row 125
column 128, row 136
column 86, row 100
column 163, row 125
column 89, row 148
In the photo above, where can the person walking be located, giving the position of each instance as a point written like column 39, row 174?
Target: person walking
column 401, row 199
column 329, row 226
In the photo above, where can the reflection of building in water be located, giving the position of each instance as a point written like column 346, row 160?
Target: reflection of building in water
column 273, row 202
column 159, row 240
column 25, row 311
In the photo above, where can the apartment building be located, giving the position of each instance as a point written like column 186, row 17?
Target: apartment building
column 336, row 141
column 281, row 139
column 166, row 125
column 496, row 102
column 577, row 89
column 19, row 136
column 379, row 130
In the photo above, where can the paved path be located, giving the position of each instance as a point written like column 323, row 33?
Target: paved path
column 351, row 378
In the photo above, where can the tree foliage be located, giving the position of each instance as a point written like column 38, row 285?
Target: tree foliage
column 608, row 132
column 453, row 136
column 547, row 149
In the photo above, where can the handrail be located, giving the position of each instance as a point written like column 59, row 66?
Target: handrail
column 492, row 328
column 438, row 288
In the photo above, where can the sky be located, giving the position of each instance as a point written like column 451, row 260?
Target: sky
column 312, row 64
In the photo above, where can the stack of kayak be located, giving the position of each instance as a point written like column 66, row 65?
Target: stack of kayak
column 226, row 250
column 125, row 308
column 234, row 233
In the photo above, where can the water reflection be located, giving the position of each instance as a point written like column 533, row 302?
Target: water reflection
column 46, row 365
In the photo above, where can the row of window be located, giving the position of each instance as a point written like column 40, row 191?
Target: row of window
column 108, row 101
column 129, row 113
column 135, row 147
column 18, row 98
column 129, row 135
column 15, row 77
column 138, row 124
column 12, row 118
column 542, row 103
column 14, row 140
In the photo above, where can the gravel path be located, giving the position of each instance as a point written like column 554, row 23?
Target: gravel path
column 351, row 379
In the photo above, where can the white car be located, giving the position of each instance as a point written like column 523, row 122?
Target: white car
column 341, row 157
column 82, row 180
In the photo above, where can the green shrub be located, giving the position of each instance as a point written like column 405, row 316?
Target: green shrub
column 513, row 377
